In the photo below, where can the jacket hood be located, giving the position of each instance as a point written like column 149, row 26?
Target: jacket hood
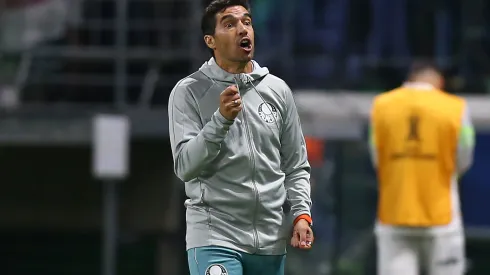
column 215, row 72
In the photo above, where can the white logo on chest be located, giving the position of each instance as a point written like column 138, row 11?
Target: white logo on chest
column 268, row 112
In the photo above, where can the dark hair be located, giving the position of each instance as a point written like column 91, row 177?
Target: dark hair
column 208, row 20
column 420, row 66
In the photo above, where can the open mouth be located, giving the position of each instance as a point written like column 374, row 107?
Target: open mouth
column 246, row 44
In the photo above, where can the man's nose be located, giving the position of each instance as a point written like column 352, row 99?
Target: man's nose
column 242, row 30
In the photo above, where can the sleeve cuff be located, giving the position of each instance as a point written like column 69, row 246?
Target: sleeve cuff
column 222, row 119
column 305, row 217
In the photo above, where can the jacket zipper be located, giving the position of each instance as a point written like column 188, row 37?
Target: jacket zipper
column 254, row 184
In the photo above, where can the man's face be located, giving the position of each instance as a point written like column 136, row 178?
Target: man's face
column 234, row 35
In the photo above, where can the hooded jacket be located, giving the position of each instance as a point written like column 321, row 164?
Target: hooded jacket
column 239, row 174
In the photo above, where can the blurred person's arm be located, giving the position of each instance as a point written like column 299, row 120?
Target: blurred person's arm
column 372, row 142
column 466, row 142
column 294, row 162
column 372, row 146
column 194, row 145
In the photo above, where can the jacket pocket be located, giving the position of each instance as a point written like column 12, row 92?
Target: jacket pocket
column 202, row 193
column 203, row 201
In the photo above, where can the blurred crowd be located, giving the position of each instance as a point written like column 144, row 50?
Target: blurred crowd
column 54, row 45
column 361, row 44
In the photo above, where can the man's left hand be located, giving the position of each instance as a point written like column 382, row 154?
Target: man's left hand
column 302, row 235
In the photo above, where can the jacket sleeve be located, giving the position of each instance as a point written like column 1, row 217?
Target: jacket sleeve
column 466, row 142
column 194, row 145
column 294, row 160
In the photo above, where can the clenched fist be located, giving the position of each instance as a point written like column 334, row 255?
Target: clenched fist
column 230, row 103
column 302, row 235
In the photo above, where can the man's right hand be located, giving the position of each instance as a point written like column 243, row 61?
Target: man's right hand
column 230, row 103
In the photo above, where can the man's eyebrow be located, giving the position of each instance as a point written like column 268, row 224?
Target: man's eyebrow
column 226, row 17
column 229, row 16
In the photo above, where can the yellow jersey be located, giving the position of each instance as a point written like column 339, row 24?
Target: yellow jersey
column 415, row 137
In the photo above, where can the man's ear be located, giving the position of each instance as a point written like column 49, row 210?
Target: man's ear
column 210, row 42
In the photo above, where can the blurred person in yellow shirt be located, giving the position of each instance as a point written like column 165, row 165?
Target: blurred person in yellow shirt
column 421, row 141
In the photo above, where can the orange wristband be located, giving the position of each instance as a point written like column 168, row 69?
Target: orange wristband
column 305, row 217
